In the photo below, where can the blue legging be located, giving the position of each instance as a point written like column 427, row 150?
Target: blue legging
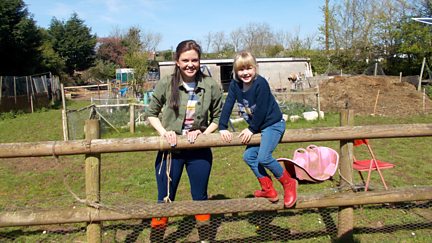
column 198, row 163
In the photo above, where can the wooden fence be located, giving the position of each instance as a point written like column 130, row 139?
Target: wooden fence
column 92, row 147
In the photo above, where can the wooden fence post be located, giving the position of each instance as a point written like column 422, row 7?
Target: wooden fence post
column 421, row 74
column 64, row 115
column 346, row 214
column 92, row 181
column 132, row 118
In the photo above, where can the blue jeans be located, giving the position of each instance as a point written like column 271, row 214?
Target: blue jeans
column 198, row 163
column 259, row 157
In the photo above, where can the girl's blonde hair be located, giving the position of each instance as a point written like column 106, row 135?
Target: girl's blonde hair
column 244, row 59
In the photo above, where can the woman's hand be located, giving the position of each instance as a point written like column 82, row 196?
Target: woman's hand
column 226, row 135
column 245, row 136
column 171, row 138
column 193, row 135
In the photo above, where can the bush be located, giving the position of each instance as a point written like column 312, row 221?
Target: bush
column 428, row 89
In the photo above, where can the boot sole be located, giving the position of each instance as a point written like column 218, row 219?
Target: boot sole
column 273, row 200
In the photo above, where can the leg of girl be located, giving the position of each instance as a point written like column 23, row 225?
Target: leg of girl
column 267, row 190
column 198, row 167
column 270, row 137
column 175, row 171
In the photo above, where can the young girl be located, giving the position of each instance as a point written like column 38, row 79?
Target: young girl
column 258, row 107
column 190, row 103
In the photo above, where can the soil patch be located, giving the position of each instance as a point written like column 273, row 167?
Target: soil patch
column 373, row 95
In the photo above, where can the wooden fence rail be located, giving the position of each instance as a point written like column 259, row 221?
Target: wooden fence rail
column 49, row 148
column 180, row 208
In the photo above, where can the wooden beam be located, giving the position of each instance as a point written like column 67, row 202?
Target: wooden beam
column 181, row 208
column 49, row 148
column 86, row 86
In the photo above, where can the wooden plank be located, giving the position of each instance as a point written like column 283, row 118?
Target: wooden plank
column 180, row 208
column 86, row 86
column 49, row 148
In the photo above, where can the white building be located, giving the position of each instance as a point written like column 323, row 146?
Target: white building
column 275, row 70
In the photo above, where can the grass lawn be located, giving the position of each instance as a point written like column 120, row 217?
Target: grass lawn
column 37, row 183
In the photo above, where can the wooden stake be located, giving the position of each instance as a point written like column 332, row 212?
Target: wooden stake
column 15, row 91
column 31, row 104
column 421, row 74
column 64, row 115
column 376, row 102
column 318, row 101
column 132, row 118
column 1, row 87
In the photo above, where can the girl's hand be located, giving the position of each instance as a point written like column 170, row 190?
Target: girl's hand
column 226, row 135
column 171, row 138
column 193, row 135
column 245, row 136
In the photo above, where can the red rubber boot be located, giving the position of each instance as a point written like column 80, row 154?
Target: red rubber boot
column 290, row 189
column 267, row 189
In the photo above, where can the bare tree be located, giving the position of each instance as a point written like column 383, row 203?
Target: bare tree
column 150, row 41
column 218, row 41
column 256, row 37
column 236, row 39
column 208, row 41
column 282, row 38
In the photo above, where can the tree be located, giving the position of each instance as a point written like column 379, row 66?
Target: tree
column 51, row 60
column 256, row 37
column 73, row 42
column 103, row 70
column 236, row 39
column 20, row 40
column 150, row 41
column 218, row 41
column 112, row 50
column 139, row 62
column 132, row 40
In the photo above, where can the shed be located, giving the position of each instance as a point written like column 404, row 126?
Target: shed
column 275, row 70
column 124, row 74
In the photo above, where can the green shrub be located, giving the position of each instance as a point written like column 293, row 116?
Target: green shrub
column 7, row 115
column 428, row 89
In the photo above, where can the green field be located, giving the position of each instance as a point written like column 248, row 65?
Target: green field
column 37, row 183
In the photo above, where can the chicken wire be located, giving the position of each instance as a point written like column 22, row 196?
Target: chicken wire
column 112, row 117
column 401, row 222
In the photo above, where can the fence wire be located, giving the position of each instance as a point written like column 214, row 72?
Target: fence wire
column 113, row 117
column 402, row 222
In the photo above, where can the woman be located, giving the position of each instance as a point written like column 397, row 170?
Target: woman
column 192, row 106
column 258, row 107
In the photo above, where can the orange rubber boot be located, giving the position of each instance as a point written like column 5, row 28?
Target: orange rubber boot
column 159, row 223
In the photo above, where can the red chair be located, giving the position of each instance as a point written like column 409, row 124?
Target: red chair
column 370, row 164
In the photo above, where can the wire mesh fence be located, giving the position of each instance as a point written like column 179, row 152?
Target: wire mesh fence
column 402, row 222
column 114, row 115
column 28, row 92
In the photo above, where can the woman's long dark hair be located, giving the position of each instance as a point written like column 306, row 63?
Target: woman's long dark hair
column 183, row 46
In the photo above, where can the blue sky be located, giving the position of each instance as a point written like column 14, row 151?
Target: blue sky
column 178, row 20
